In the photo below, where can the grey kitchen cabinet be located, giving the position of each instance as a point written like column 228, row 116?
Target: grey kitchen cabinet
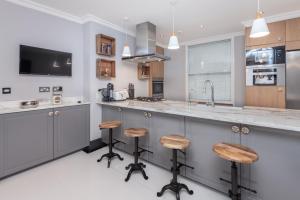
column 160, row 125
column 136, row 119
column 1, row 146
column 27, row 139
column 110, row 113
column 208, row 168
column 71, row 129
column 276, row 174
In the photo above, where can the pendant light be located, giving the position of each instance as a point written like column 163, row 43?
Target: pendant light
column 173, row 42
column 126, row 49
column 259, row 27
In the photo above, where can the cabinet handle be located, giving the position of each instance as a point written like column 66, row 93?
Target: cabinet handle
column 245, row 130
column 279, row 38
column 146, row 114
column 50, row 114
column 57, row 113
column 149, row 115
column 235, row 129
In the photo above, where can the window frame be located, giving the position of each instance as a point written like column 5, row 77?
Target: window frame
column 210, row 40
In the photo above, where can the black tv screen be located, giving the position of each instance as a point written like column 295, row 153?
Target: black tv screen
column 38, row 61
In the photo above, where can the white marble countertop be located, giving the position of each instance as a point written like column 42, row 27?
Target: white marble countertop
column 7, row 107
column 271, row 118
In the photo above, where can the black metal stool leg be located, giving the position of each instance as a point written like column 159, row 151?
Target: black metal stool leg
column 136, row 166
column 110, row 155
column 234, row 193
column 174, row 185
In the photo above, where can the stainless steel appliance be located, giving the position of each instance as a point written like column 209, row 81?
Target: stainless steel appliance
column 107, row 93
column 293, row 79
column 145, row 51
column 266, row 66
column 120, row 95
column 158, row 88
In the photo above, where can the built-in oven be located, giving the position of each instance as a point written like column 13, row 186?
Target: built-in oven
column 265, row 66
column 158, row 88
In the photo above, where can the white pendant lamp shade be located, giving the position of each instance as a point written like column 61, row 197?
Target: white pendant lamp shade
column 126, row 51
column 173, row 42
column 259, row 26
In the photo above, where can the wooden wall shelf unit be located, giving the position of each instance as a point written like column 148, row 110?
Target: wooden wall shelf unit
column 106, row 68
column 105, row 45
column 143, row 71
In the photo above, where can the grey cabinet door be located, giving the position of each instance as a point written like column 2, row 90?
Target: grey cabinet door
column 71, row 129
column 1, row 146
column 208, row 168
column 27, row 139
column 135, row 119
column 110, row 113
column 161, row 125
column 276, row 174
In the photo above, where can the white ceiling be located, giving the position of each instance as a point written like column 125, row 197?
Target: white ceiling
column 217, row 16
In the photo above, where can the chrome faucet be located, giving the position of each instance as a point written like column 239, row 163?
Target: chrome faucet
column 210, row 102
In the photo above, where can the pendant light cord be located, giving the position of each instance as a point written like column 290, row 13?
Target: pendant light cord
column 173, row 18
column 258, row 5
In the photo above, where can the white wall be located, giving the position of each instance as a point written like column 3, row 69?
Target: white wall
column 21, row 25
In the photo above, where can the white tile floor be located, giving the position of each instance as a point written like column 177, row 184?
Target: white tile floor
column 80, row 177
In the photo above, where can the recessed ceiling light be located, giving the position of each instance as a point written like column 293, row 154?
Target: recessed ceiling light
column 201, row 26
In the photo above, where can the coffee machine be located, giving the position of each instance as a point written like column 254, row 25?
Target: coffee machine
column 107, row 93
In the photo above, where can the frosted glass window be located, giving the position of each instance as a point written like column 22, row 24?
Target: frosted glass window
column 210, row 61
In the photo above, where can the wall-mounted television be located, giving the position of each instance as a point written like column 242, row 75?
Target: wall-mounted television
column 38, row 61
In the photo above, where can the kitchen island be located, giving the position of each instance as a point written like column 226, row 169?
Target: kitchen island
column 274, row 134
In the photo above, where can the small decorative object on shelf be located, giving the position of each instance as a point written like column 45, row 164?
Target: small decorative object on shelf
column 143, row 71
column 105, row 45
column 106, row 68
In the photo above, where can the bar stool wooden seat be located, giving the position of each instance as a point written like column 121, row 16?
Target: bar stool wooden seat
column 175, row 142
column 235, row 153
column 136, row 133
column 110, row 125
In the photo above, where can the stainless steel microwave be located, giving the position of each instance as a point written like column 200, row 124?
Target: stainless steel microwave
column 266, row 56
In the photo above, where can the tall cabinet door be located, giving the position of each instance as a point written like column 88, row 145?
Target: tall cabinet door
column 1, row 146
column 162, row 125
column 111, row 113
column 27, row 139
column 136, row 119
column 71, row 129
column 208, row 168
column 276, row 174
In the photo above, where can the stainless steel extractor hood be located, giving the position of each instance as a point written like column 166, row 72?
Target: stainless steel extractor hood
column 145, row 51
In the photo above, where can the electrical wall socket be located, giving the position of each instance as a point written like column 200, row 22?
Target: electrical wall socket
column 57, row 89
column 6, row 90
column 44, row 89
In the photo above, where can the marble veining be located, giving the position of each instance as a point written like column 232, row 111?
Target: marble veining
column 271, row 118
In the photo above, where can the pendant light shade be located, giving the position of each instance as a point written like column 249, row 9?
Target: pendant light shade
column 259, row 26
column 173, row 42
column 126, row 49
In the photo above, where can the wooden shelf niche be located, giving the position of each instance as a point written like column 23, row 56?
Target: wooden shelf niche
column 106, row 68
column 105, row 45
column 143, row 71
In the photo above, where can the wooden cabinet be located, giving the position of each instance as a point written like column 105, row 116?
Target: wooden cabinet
column 265, row 96
column 208, row 168
column 293, row 30
column 276, row 37
column 27, row 140
column 276, row 174
column 71, row 129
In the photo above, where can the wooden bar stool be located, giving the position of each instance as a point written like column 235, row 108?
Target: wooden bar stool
column 235, row 153
column 136, row 133
column 110, row 125
column 175, row 142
